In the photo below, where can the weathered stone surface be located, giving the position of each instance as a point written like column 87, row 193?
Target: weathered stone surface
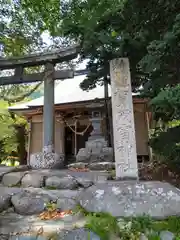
column 33, row 180
column 84, row 182
column 80, row 234
column 83, row 155
column 5, row 170
column 21, row 168
column 96, row 157
column 66, row 204
column 47, row 159
column 61, row 183
column 96, row 145
column 79, row 165
column 26, row 204
column 5, row 197
column 123, row 199
column 13, row 178
column 50, row 172
column 28, row 238
column 123, row 119
column 4, row 236
column 102, row 166
column 107, row 154
column 24, row 225
column 166, row 235
column 5, row 202
column 93, row 176
column 53, row 195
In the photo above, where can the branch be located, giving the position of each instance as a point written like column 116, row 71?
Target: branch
column 22, row 97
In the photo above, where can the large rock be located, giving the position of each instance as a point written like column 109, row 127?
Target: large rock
column 80, row 234
column 33, row 180
column 84, row 182
column 61, row 183
column 83, row 155
column 124, row 199
column 14, row 223
column 4, row 236
column 12, row 179
column 27, row 238
column 66, row 204
column 166, row 235
column 53, row 195
column 5, row 197
column 5, row 202
column 26, row 204
column 5, row 170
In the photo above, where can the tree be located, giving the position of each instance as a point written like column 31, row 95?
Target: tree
column 107, row 29
column 147, row 32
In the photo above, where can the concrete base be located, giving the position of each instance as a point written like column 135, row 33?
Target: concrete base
column 95, row 151
column 46, row 160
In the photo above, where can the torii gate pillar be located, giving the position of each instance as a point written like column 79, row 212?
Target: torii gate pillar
column 50, row 159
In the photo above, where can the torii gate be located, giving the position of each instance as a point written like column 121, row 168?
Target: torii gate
column 49, row 157
column 122, row 106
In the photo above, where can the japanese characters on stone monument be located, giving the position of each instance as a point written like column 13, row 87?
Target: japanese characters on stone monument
column 123, row 120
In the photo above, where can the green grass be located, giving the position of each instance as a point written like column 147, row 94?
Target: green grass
column 103, row 224
column 171, row 224
column 108, row 227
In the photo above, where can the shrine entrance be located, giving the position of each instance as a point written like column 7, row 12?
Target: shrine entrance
column 73, row 142
column 69, row 142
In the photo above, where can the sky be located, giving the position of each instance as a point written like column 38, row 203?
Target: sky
column 47, row 40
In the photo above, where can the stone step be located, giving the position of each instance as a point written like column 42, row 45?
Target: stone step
column 57, row 179
column 13, row 223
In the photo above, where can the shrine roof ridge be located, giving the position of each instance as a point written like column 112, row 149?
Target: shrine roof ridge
column 65, row 94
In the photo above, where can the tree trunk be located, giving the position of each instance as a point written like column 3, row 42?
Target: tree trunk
column 21, row 139
column 106, row 96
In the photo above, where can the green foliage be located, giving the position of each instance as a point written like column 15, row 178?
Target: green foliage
column 46, row 13
column 106, row 29
column 108, row 227
column 165, row 140
column 7, row 133
column 147, row 32
column 141, row 224
column 167, row 144
column 166, row 105
column 17, row 35
column 171, row 224
column 103, row 224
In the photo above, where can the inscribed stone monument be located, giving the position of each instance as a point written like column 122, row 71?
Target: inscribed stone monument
column 123, row 120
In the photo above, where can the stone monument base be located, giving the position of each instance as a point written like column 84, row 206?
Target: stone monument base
column 46, row 160
column 95, row 151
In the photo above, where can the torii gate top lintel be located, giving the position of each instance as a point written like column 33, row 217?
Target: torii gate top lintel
column 61, row 55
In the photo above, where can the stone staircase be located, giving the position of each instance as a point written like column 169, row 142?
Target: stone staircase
column 26, row 193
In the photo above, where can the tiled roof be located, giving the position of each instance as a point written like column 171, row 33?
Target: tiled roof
column 67, row 91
